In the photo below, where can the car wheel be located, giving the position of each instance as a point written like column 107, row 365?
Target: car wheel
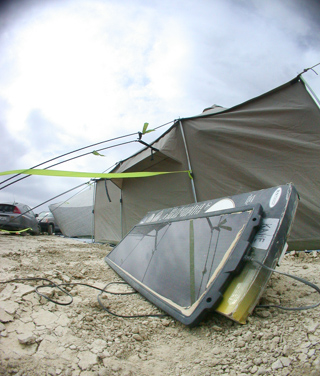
column 36, row 231
column 50, row 229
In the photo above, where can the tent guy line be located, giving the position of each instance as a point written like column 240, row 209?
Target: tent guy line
column 311, row 68
column 94, row 152
column 71, row 152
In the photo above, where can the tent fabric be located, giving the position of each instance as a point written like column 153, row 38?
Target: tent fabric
column 107, row 215
column 75, row 216
column 267, row 141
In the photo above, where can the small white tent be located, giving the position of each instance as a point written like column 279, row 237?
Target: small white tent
column 75, row 216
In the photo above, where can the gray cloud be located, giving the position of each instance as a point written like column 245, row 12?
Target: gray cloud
column 41, row 132
column 11, row 148
column 136, row 62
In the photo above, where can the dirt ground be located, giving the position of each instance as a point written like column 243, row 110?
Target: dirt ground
column 39, row 337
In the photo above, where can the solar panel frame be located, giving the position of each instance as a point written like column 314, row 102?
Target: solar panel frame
column 231, row 264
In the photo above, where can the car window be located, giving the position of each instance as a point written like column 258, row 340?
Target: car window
column 5, row 208
column 45, row 215
column 27, row 210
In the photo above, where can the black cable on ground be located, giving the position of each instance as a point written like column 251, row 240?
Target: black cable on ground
column 105, row 291
column 310, row 284
column 123, row 316
column 102, row 291
column 51, row 284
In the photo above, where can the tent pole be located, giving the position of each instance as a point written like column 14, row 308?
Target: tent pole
column 121, row 213
column 311, row 92
column 93, row 207
column 189, row 164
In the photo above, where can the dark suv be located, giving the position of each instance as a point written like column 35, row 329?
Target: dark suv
column 16, row 217
column 47, row 222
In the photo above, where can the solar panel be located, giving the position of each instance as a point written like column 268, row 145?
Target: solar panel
column 182, row 265
column 183, row 259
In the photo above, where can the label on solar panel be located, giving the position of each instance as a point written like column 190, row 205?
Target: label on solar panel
column 264, row 236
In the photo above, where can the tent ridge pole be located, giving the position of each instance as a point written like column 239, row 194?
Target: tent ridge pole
column 310, row 91
column 188, row 160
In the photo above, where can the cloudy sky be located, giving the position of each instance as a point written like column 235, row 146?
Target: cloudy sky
column 75, row 72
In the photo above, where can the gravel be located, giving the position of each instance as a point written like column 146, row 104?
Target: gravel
column 38, row 337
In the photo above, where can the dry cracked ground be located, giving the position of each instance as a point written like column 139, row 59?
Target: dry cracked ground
column 39, row 337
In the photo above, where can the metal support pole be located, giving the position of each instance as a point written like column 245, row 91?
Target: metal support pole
column 121, row 213
column 311, row 92
column 189, row 164
column 93, row 212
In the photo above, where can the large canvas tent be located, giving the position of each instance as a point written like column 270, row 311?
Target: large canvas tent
column 267, row 141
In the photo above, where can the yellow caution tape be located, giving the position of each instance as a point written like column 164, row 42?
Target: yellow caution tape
column 144, row 129
column 74, row 174
column 98, row 154
column 16, row 231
